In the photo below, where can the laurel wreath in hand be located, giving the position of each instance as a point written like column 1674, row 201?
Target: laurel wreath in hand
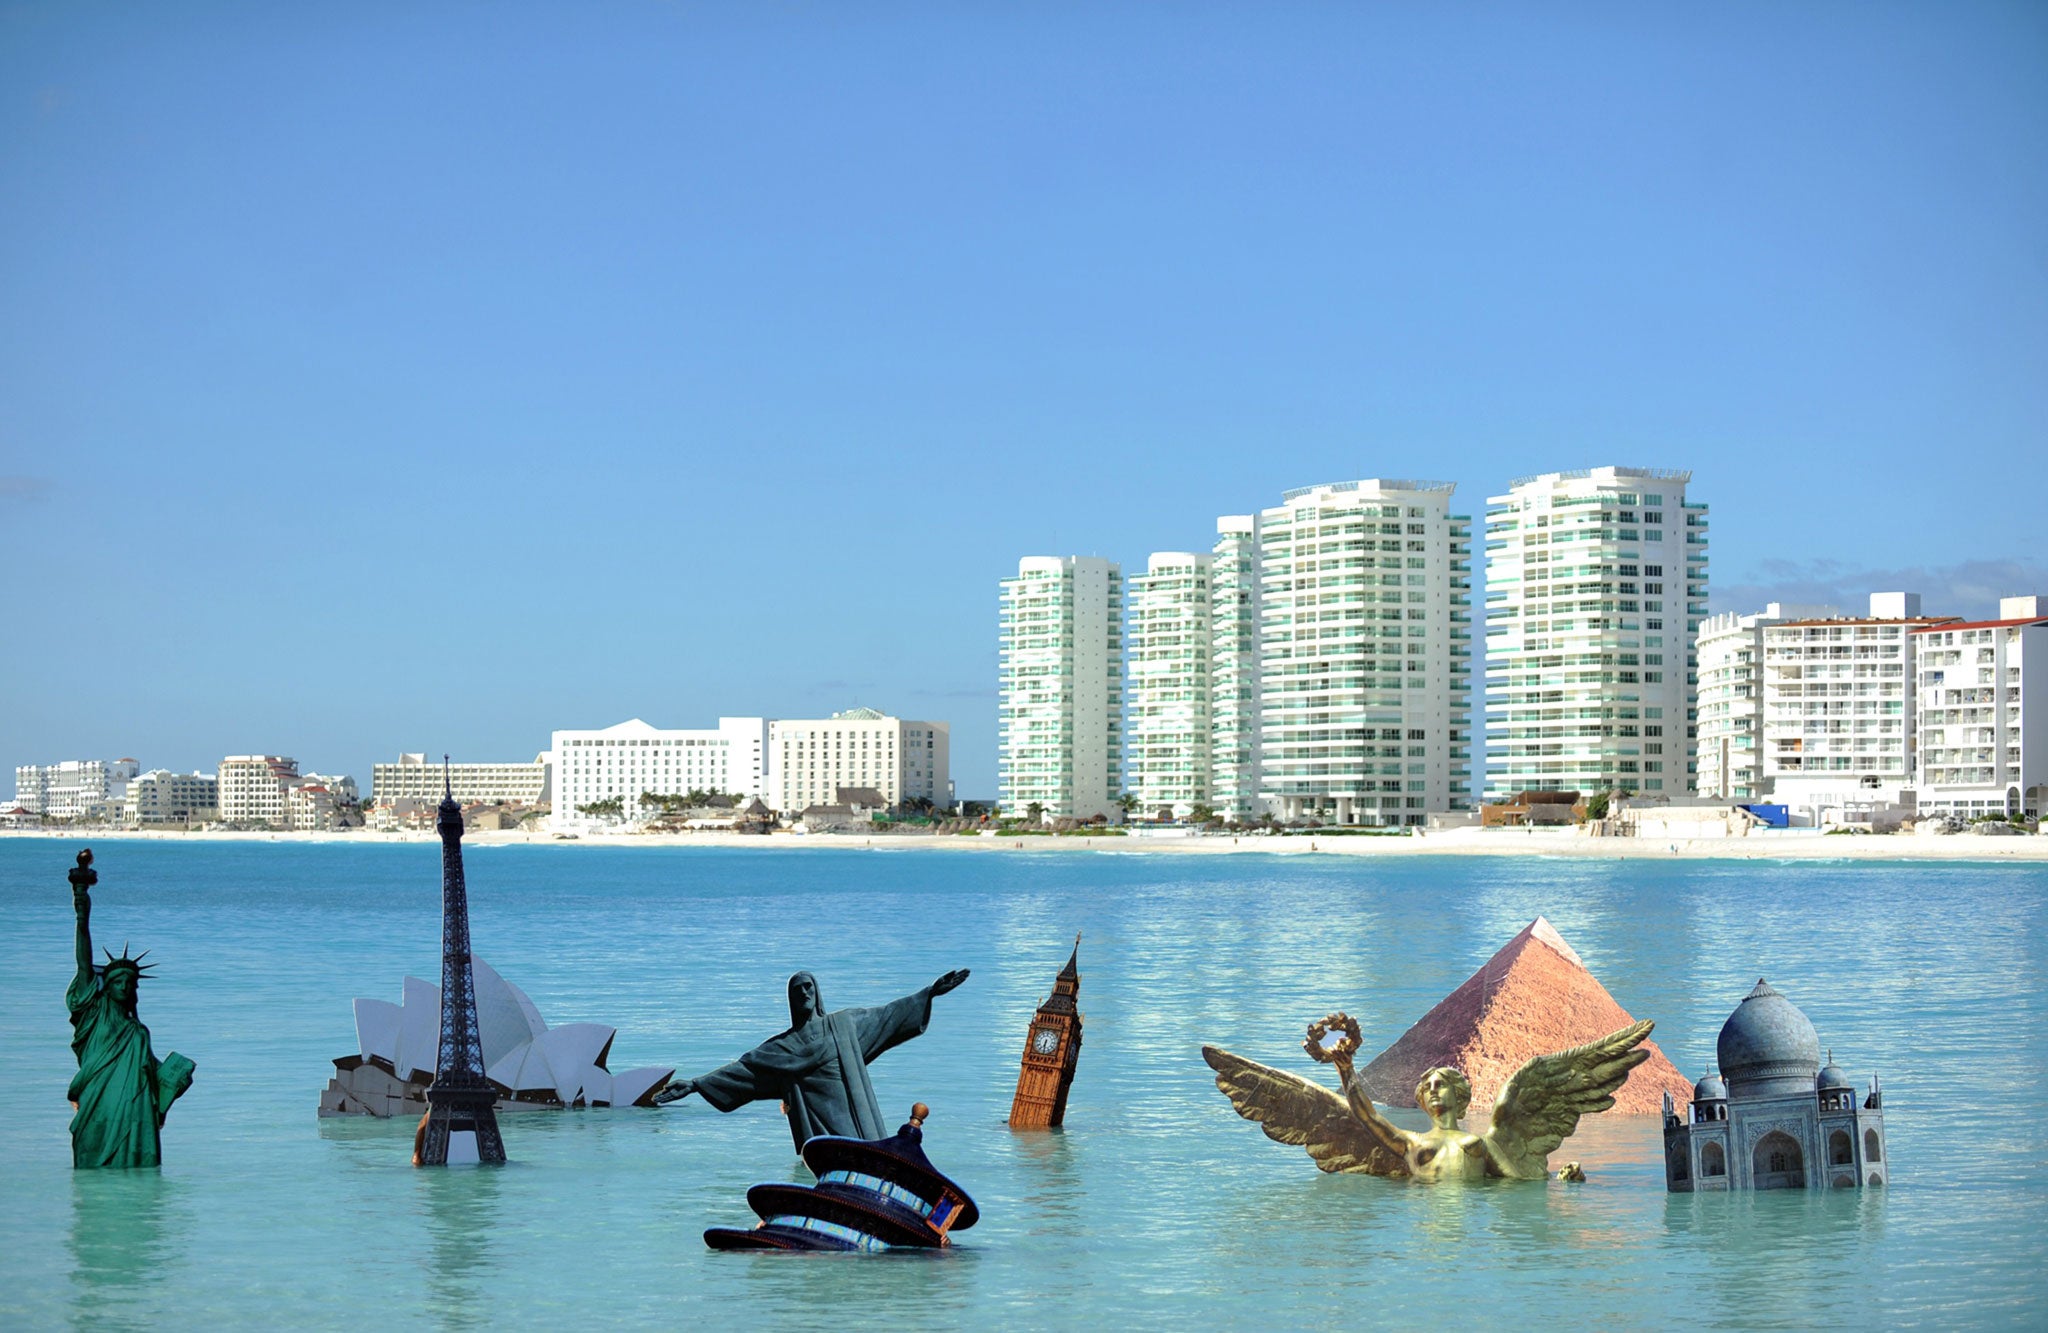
column 1346, row 1046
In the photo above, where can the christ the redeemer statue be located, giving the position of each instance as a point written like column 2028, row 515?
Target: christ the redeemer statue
column 818, row 1068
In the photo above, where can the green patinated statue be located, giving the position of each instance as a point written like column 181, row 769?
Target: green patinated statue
column 121, row 1091
column 818, row 1067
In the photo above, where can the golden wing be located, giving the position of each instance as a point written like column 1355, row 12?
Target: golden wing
column 1293, row 1110
column 1540, row 1106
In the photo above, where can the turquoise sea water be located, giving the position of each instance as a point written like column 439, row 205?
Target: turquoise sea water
column 1156, row 1204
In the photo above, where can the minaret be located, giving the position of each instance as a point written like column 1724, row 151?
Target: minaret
column 462, row 1122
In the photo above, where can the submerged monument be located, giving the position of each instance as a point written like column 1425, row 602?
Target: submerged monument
column 1534, row 995
column 1052, row 1047
column 121, row 1091
column 817, row 1067
column 530, row 1065
column 461, row 1124
column 1774, row 1118
column 1537, row 1109
column 881, row 1194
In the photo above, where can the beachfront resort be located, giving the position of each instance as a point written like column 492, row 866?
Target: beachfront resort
column 1311, row 669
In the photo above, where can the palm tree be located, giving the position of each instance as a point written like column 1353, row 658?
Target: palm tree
column 1035, row 812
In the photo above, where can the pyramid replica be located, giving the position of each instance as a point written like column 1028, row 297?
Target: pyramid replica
column 1534, row 997
column 528, row 1063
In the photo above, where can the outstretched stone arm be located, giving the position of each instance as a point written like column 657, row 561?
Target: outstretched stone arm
column 677, row 1089
column 727, row 1088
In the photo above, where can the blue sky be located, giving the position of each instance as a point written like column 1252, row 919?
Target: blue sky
column 380, row 377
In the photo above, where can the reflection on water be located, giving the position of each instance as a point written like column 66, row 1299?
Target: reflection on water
column 124, row 1235
column 1054, row 1197
column 1765, row 1251
column 464, row 1215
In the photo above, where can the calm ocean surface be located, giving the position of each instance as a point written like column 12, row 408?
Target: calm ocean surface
column 1155, row 1204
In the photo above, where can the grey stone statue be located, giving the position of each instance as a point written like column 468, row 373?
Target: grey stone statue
column 818, row 1068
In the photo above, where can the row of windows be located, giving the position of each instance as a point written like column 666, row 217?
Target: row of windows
column 660, row 744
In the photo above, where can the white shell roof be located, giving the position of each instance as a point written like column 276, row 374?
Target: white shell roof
column 521, row 1053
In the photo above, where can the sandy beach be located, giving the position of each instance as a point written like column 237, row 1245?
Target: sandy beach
column 1785, row 844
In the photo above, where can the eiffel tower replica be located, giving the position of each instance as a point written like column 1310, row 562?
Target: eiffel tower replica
column 459, row 1101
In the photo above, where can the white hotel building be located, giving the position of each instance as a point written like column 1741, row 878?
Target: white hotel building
column 415, row 777
column 163, row 797
column 810, row 759
column 1171, row 763
column 1983, row 715
column 1060, row 672
column 1234, row 667
column 253, row 789
column 621, row 762
column 269, row 790
column 1839, row 715
column 1596, row 584
column 75, row 788
column 1730, row 649
column 1364, row 697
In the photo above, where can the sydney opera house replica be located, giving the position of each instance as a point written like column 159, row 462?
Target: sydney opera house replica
column 531, row 1065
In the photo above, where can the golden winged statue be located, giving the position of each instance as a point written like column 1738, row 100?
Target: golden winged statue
column 1537, row 1109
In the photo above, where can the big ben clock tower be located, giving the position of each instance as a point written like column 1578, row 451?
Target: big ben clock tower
column 1052, row 1047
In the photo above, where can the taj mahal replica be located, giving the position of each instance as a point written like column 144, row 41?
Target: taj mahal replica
column 1774, row 1118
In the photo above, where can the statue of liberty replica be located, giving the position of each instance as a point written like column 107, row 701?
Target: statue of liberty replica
column 121, row 1091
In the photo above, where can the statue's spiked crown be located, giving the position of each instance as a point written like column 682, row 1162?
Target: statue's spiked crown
column 124, row 963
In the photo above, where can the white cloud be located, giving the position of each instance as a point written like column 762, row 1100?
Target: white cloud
column 23, row 488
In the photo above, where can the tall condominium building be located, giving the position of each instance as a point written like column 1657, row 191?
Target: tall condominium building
column 163, row 797
column 1061, row 686
column 1234, row 667
column 810, row 759
column 417, row 778
column 1596, row 583
column 1983, row 724
column 1839, row 714
column 623, row 762
column 75, row 788
column 1730, row 649
column 1364, row 653
column 254, row 788
column 1170, row 764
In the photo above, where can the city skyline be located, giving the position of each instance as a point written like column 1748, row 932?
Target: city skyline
column 389, row 385
column 1968, row 590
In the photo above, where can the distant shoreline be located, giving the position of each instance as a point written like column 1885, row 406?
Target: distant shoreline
column 1792, row 845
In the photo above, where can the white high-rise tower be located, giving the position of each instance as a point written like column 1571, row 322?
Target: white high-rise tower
column 1171, row 695
column 1364, row 653
column 1061, row 686
column 1234, row 668
column 1596, row 583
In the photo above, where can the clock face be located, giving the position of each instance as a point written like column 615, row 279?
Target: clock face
column 1045, row 1041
